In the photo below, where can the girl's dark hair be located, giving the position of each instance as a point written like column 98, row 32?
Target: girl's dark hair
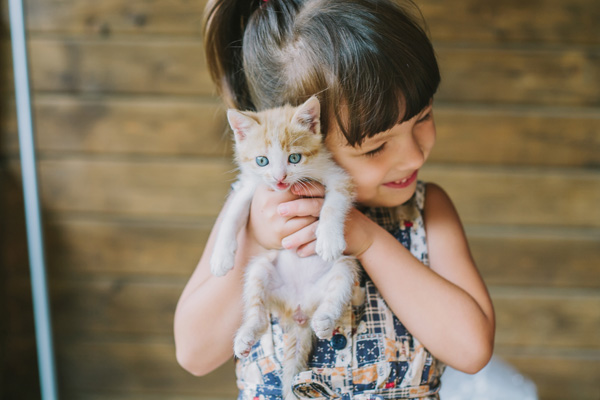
column 369, row 61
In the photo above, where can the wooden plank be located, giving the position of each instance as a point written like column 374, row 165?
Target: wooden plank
column 175, row 188
column 520, row 196
column 115, row 17
column 135, row 367
column 547, row 21
column 114, row 306
column 108, row 307
column 13, row 237
column 135, row 66
column 19, row 375
column 180, row 126
column 563, row 76
column 78, row 247
column 547, row 318
column 90, row 365
column 132, row 369
column 149, row 126
column 553, row 257
column 517, row 136
column 558, row 377
column 197, row 188
column 544, row 21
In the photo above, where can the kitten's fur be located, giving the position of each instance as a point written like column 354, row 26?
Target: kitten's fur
column 303, row 293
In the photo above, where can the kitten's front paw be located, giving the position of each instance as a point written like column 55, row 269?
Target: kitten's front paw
column 330, row 243
column 221, row 262
column 322, row 325
column 243, row 344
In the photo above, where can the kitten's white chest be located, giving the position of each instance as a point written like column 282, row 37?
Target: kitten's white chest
column 297, row 281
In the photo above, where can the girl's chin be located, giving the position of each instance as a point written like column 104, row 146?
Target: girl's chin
column 388, row 198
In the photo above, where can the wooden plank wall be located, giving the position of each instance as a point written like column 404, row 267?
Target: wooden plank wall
column 134, row 165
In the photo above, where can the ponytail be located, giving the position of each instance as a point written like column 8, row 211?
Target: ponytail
column 224, row 25
column 369, row 61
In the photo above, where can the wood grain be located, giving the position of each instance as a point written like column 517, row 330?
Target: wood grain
column 552, row 257
column 180, row 126
column 135, row 367
column 566, row 76
column 559, row 376
column 517, row 136
column 481, row 22
column 104, row 306
column 520, row 196
column 541, row 21
column 511, row 256
column 505, row 75
column 159, row 66
column 177, row 188
column 188, row 188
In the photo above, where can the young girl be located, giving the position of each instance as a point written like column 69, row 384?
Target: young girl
column 426, row 306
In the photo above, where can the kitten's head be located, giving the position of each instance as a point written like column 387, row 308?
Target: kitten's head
column 278, row 144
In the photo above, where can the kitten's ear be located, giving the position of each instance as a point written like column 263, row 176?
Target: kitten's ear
column 309, row 115
column 240, row 123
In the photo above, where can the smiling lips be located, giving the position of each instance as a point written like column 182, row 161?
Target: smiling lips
column 402, row 183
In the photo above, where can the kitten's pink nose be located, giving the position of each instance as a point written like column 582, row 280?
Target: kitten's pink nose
column 280, row 180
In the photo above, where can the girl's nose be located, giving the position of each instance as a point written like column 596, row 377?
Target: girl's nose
column 410, row 155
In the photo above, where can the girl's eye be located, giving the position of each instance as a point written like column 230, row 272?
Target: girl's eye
column 262, row 161
column 374, row 152
column 294, row 158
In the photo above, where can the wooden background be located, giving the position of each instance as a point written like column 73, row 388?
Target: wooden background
column 134, row 165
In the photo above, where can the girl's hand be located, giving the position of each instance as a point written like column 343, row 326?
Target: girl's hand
column 358, row 228
column 286, row 219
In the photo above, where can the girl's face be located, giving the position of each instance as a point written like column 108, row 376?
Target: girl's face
column 385, row 167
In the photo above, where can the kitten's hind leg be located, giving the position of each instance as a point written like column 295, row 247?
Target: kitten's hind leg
column 256, row 316
column 338, row 294
column 297, row 347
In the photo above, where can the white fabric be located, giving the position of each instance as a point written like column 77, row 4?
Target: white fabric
column 496, row 381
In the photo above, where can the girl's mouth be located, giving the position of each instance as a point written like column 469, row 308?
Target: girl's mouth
column 402, row 183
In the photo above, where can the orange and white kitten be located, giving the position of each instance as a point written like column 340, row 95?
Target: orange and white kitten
column 282, row 147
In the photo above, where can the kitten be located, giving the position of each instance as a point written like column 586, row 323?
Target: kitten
column 282, row 147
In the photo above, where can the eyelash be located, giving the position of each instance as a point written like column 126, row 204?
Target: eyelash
column 374, row 152
column 378, row 150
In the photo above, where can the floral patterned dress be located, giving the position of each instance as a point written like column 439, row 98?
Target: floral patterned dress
column 371, row 354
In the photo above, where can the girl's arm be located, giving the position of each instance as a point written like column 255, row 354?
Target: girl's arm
column 447, row 306
column 209, row 310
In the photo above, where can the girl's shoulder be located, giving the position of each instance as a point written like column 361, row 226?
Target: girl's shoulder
column 437, row 204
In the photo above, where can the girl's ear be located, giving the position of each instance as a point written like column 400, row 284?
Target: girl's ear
column 240, row 123
column 308, row 115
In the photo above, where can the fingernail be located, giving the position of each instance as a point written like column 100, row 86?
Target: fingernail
column 286, row 243
column 283, row 209
column 301, row 252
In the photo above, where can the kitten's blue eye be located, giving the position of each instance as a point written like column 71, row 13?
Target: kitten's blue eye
column 295, row 158
column 262, row 161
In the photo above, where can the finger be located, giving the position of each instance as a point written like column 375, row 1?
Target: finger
column 308, row 249
column 301, row 207
column 300, row 237
column 308, row 189
column 294, row 225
